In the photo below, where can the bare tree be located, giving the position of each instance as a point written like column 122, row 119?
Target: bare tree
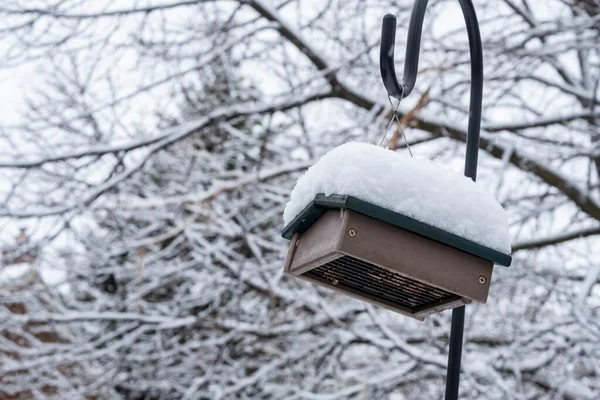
column 158, row 148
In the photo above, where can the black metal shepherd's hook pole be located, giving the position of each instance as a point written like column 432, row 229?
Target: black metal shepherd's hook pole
column 402, row 89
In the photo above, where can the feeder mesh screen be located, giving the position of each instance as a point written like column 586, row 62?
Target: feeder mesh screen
column 379, row 284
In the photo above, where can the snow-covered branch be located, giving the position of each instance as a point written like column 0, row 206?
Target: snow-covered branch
column 144, row 183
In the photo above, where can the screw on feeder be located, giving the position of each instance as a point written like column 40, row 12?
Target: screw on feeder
column 351, row 232
column 482, row 280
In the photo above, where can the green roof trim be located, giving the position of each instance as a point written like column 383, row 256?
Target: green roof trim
column 316, row 208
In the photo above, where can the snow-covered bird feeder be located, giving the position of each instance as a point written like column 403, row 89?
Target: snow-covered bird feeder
column 397, row 232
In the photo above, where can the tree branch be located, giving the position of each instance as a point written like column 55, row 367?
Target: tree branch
column 115, row 13
column 175, row 135
column 557, row 239
column 340, row 88
column 540, row 123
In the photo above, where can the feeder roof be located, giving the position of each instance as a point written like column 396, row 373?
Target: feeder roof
column 418, row 189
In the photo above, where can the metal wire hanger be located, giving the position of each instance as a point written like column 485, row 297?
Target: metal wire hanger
column 397, row 119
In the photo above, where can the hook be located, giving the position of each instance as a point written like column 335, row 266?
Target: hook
column 402, row 89
column 386, row 57
column 413, row 45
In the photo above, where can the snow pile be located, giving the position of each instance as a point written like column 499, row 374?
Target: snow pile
column 416, row 188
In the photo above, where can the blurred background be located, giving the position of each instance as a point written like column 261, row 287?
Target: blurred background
column 148, row 149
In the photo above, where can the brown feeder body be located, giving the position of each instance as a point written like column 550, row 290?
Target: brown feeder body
column 386, row 265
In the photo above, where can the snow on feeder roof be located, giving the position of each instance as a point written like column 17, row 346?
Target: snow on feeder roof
column 411, row 236
column 419, row 189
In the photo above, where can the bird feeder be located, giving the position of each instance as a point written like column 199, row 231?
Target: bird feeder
column 386, row 257
column 369, row 252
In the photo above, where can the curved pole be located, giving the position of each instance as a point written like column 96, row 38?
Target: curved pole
column 402, row 90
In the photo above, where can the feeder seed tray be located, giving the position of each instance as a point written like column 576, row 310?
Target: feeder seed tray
column 388, row 259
